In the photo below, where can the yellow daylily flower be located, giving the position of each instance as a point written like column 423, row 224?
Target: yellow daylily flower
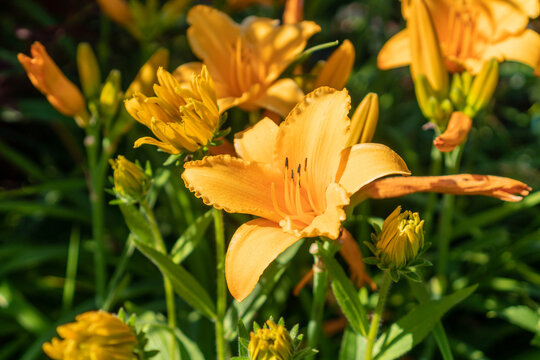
column 470, row 32
column 245, row 60
column 61, row 93
column 181, row 118
column 296, row 177
column 94, row 335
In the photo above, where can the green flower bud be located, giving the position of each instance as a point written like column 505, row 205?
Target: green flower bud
column 401, row 239
column 110, row 95
column 89, row 73
column 483, row 86
column 273, row 342
column 130, row 181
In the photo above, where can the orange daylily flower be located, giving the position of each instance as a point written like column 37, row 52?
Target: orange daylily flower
column 294, row 11
column 245, row 60
column 456, row 132
column 45, row 75
column 471, row 32
column 296, row 177
column 464, row 184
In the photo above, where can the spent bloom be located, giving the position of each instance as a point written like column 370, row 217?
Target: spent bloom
column 130, row 181
column 272, row 342
column 470, row 32
column 94, row 335
column 182, row 117
column 245, row 60
column 401, row 239
column 49, row 79
column 296, row 177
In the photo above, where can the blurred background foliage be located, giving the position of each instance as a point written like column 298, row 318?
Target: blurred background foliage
column 46, row 268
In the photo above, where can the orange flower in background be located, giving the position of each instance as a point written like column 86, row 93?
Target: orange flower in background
column 49, row 79
column 118, row 11
column 94, row 335
column 245, row 60
column 471, row 32
column 296, row 177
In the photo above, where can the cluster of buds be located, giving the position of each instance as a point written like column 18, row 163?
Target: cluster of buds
column 272, row 342
column 131, row 183
column 438, row 100
column 100, row 100
column 99, row 335
column 398, row 246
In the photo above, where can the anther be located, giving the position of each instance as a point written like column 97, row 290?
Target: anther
column 286, row 163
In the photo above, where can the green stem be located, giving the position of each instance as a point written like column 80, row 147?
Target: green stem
column 118, row 273
column 221, row 304
column 376, row 319
column 96, row 187
column 320, row 288
column 435, row 170
column 452, row 162
column 71, row 270
column 169, row 291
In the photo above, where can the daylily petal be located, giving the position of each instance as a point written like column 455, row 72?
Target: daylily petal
column 328, row 223
column 312, row 136
column 396, row 52
column 281, row 96
column 456, row 132
column 337, row 69
column 465, row 184
column 504, row 18
column 234, row 185
column 212, row 36
column 224, row 148
column 257, row 143
column 363, row 163
column 253, row 247
column 168, row 148
column 524, row 48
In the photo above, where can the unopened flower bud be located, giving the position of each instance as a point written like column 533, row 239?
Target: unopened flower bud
column 146, row 77
column 483, row 86
column 273, row 342
column 89, row 73
column 337, row 69
column 110, row 94
column 401, row 239
column 364, row 120
column 130, row 181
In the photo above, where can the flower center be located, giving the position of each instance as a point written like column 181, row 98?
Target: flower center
column 297, row 199
column 245, row 68
column 463, row 32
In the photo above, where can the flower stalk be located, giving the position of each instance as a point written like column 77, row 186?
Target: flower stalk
column 376, row 319
column 320, row 288
column 221, row 305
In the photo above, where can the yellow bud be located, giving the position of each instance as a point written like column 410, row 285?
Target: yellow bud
column 336, row 71
column 401, row 239
column 89, row 73
column 423, row 94
column 146, row 77
column 130, row 181
column 294, row 11
column 93, row 335
column 110, row 94
column 61, row 93
column 426, row 55
column 364, row 120
column 272, row 342
column 483, row 86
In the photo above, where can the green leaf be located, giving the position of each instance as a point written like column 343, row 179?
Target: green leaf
column 243, row 338
column 353, row 346
column 191, row 238
column 137, row 224
column 411, row 329
column 346, row 295
column 522, row 316
column 184, row 284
